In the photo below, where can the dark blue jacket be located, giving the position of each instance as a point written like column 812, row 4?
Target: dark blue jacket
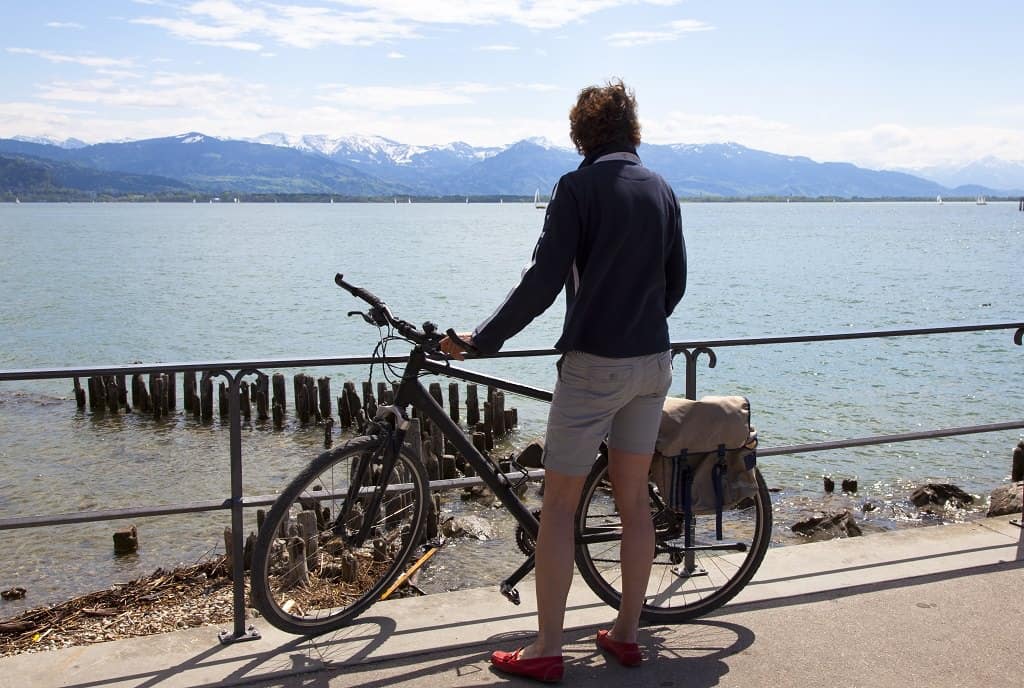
column 613, row 240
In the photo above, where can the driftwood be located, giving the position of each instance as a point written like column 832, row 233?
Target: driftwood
column 163, row 601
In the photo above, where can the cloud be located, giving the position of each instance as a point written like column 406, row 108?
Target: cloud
column 64, row 25
column 675, row 29
column 498, row 48
column 84, row 60
column 383, row 98
column 395, row 55
column 882, row 146
column 241, row 25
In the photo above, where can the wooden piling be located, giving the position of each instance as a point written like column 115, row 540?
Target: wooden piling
column 344, row 413
column 328, row 428
column 472, row 406
column 324, row 388
column 79, row 394
column 126, row 541
column 122, row 392
column 453, row 401
column 222, row 397
column 369, row 402
column 188, row 384
column 262, row 395
column 170, row 390
column 244, row 402
column 112, row 402
column 310, row 536
column 140, row 397
column 498, row 414
column 278, row 397
column 206, row 397
column 278, row 416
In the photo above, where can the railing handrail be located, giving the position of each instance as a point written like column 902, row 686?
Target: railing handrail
column 291, row 362
column 238, row 502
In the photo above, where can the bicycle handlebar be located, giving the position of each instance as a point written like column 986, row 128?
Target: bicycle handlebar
column 381, row 315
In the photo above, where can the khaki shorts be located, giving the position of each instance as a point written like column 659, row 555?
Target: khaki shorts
column 597, row 397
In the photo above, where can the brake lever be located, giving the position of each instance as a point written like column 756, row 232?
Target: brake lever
column 364, row 316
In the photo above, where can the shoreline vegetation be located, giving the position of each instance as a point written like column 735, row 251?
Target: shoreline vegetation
column 74, row 196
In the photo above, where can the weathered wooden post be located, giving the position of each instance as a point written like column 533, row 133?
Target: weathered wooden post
column 171, row 391
column 157, row 390
column 354, row 404
column 96, row 402
column 324, row 387
column 112, row 403
column 328, row 428
column 299, row 392
column 262, row 396
column 498, row 414
column 126, row 541
column 298, row 573
column 122, row 392
column 278, row 383
column 188, row 384
column 472, row 406
column 206, row 397
column 453, row 401
column 310, row 536
column 140, row 397
column 222, row 397
column 243, row 399
column 79, row 394
column 312, row 398
column 369, row 402
column 344, row 413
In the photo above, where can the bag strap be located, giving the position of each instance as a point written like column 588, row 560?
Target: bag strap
column 717, row 472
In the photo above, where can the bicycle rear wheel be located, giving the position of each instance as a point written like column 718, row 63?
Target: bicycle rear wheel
column 685, row 583
column 309, row 576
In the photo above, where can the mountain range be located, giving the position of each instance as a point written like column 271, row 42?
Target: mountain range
column 375, row 167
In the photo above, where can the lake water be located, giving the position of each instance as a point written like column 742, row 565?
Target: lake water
column 91, row 284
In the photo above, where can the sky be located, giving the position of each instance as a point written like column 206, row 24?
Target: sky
column 883, row 84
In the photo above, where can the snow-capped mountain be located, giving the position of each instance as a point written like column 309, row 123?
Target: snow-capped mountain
column 67, row 144
column 989, row 171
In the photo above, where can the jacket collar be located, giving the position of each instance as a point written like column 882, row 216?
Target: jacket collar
column 611, row 151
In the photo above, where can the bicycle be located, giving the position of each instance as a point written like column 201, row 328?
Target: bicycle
column 361, row 509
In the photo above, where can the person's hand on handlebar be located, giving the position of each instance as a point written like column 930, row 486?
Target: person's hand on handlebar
column 455, row 349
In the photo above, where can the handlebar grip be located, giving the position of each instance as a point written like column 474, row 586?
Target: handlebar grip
column 460, row 342
column 358, row 292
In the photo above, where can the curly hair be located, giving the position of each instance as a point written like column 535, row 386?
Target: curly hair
column 604, row 115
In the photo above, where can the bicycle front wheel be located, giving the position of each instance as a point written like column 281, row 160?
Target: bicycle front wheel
column 687, row 580
column 311, row 573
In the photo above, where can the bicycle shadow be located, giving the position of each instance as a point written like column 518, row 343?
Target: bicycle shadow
column 695, row 651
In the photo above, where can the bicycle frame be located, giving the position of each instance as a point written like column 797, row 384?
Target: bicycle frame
column 411, row 392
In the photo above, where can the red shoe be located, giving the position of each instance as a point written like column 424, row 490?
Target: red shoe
column 546, row 669
column 628, row 654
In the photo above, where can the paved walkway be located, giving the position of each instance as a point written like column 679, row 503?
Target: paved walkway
column 930, row 606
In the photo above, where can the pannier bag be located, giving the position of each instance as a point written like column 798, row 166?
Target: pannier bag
column 705, row 454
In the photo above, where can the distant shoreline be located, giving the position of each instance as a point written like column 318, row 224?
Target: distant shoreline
column 229, row 198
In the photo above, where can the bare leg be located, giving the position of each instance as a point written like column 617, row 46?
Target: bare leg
column 628, row 474
column 555, row 546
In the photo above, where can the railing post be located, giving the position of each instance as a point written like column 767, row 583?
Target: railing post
column 691, row 367
column 240, row 632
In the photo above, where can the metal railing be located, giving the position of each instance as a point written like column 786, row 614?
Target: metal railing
column 235, row 371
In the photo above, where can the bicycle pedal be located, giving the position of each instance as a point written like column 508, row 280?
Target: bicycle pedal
column 510, row 593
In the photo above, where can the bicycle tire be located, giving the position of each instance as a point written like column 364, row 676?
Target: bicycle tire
column 672, row 595
column 341, row 581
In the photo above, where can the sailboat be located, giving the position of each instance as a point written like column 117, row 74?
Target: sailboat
column 537, row 203
column 938, row 199
column 981, row 201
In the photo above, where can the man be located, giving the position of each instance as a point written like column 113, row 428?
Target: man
column 612, row 238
